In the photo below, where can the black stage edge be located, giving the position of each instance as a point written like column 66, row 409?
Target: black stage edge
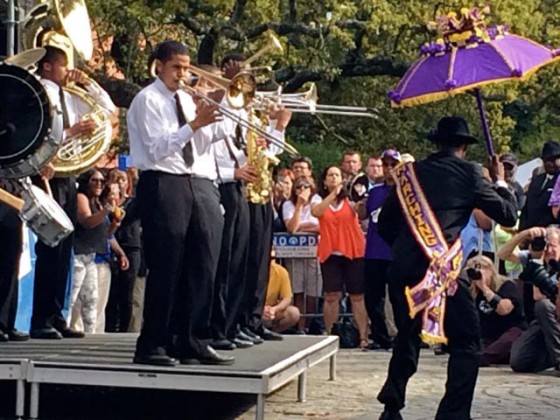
column 105, row 360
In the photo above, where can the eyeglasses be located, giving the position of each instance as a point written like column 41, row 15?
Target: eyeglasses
column 302, row 186
column 97, row 180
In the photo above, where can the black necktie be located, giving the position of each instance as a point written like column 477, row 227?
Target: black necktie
column 238, row 140
column 65, row 121
column 187, row 150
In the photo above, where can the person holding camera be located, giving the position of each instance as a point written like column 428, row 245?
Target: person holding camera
column 499, row 308
column 540, row 267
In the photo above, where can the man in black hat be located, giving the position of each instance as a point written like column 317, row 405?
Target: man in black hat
column 510, row 162
column 453, row 188
column 536, row 211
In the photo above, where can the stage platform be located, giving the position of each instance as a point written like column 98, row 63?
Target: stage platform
column 105, row 360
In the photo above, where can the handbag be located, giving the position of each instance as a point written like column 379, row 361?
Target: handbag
column 347, row 332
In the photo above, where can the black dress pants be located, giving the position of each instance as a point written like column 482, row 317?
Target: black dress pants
column 376, row 281
column 230, row 278
column 119, row 306
column 182, row 228
column 10, row 252
column 463, row 331
column 53, row 264
column 258, row 264
column 204, row 240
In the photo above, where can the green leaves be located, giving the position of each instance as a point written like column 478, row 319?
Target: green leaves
column 367, row 40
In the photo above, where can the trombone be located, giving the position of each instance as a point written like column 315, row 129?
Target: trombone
column 272, row 44
column 306, row 102
column 240, row 92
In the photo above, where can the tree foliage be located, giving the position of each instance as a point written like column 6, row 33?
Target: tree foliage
column 355, row 50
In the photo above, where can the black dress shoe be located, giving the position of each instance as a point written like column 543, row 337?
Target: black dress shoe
column 390, row 415
column 16, row 335
column 242, row 344
column 70, row 333
column 4, row 337
column 248, row 335
column 268, row 335
column 154, row 360
column 45, row 334
column 208, row 356
column 222, row 344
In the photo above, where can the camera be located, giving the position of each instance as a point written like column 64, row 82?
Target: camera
column 474, row 273
column 538, row 244
column 535, row 273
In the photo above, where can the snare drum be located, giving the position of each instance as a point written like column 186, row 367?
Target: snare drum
column 30, row 128
column 44, row 216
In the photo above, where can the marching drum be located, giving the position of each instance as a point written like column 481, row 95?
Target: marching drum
column 41, row 213
column 30, row 129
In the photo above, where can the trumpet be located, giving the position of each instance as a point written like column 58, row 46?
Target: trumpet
column 306, row 102
column 240, row 92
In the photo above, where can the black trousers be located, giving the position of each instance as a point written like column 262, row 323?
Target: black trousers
column 463, row 331
column 182, row 227
column 258, row 265
column 53, row 265
column 119, row 306
column 376, row 280
column 230, row 278
column 10, row 252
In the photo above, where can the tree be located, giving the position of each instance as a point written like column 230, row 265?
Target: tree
column 356, row 51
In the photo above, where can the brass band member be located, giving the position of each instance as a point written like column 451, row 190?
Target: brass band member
column 162, row 123
column 53, row 264
column 10, row 252
column 245, row 309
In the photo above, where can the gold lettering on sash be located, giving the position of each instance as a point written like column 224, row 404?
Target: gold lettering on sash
column 415, row 211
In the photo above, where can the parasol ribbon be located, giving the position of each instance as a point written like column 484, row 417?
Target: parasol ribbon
column 430, row 294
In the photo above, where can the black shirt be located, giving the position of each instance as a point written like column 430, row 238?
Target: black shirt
column 494, row 325
column 129, row 234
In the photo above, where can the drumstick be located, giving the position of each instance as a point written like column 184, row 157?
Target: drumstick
column 11, row 200
column 47, row 187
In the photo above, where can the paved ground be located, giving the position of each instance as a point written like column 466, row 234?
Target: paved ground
column 500, row 393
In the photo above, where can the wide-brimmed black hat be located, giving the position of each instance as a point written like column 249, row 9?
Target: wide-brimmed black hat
column 453, row 131
column 550, row 149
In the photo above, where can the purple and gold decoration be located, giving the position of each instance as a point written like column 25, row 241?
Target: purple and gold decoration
column 430, row 294
column 467, row 56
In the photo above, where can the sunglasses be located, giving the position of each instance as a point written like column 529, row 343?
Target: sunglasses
column 97, row 180
column 302, row 186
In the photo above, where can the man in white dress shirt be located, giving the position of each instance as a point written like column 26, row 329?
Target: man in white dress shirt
column 244, row 263
column 161, row 147
column 53, row 264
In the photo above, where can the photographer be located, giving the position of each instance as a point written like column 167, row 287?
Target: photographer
column 499, row 308
column 539, row 270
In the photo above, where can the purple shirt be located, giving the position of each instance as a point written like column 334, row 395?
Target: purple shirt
column 376, row 248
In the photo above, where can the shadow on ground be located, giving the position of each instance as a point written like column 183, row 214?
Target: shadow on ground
column 92, row 403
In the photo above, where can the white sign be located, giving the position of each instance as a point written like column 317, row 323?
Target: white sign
column 299, row 245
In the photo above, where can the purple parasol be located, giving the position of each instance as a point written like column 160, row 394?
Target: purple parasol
column 468, row 56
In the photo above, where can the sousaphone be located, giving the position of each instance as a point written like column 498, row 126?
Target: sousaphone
column 69, row 17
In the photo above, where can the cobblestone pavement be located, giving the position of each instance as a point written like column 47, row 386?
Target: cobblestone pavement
column 500, row 394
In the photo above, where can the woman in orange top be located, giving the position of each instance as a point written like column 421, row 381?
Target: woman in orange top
column 340, row 251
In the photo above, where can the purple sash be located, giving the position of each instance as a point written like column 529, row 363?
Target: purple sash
column 440, row 280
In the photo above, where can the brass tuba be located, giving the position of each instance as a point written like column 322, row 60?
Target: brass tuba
column 79, row 153
column 64, row 24
column 69, row 17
